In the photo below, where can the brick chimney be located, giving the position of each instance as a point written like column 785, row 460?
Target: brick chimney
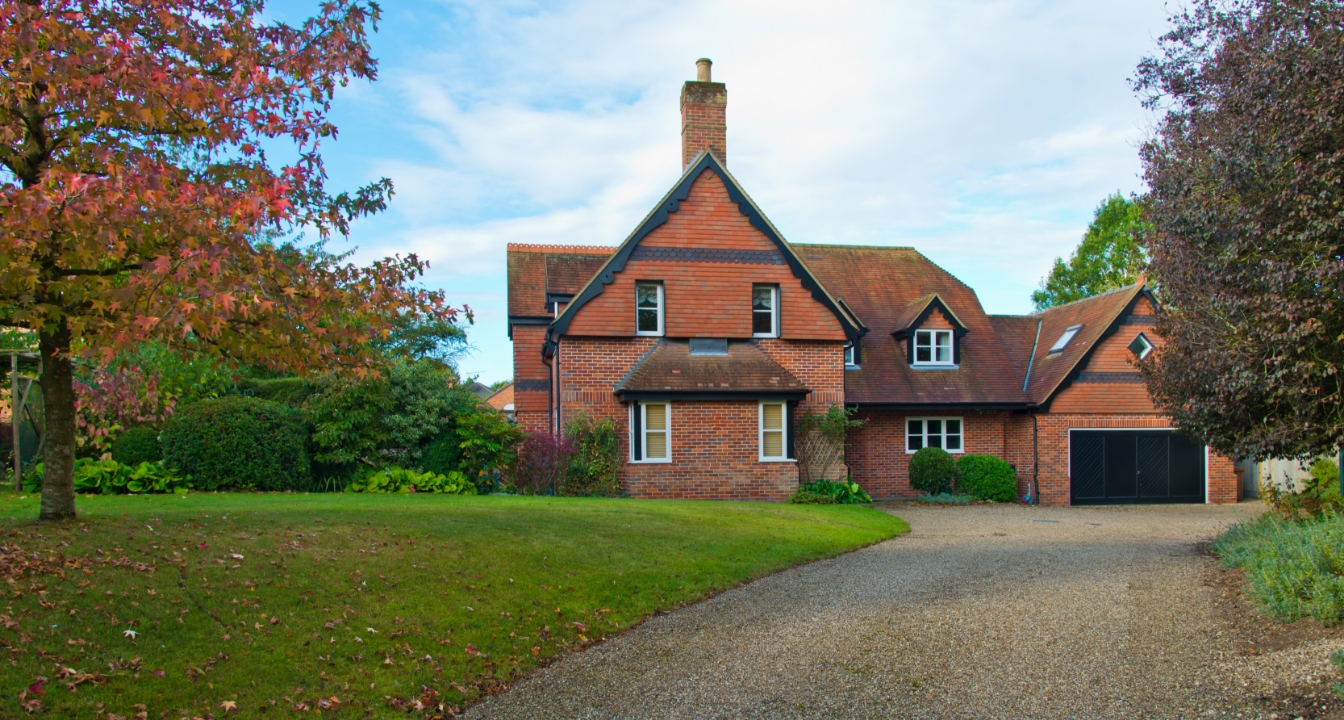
column 704, row 124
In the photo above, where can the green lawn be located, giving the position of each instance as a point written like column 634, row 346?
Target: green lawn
column 357, row 605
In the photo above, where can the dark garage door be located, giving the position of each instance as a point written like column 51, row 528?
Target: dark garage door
column 1134, row 466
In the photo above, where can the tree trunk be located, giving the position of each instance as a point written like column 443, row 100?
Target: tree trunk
column 58, row 398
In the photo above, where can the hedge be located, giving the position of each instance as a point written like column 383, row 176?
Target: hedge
column 987, row 478
column 238, row 443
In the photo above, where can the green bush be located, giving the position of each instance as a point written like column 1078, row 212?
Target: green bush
column 443, row 455
column 595, row 457
column 401, row 480
column 932, row 470
column 109, row 477
column 1295, row 567
column 489, row 445
column 137, row 445
column 238, row 443
column 944, row 498
column 291, row 391
column 827, row 492
column 986, row 477
column 1317, row 496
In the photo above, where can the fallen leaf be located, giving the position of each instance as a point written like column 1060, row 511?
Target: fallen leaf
column 130, row 634
column 229, row 705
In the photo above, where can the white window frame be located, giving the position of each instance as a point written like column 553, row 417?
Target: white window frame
column 643, row 409
column 933, row 336
column 783, row 431
column 924, row 436
column 774, row 311
column 662, row 305
column 851, row 356
column 1148, row 346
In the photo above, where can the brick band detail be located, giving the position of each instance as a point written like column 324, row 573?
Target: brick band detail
column 1139, row 320
column 1111, row 378
column 707, row 255
column 532, row 385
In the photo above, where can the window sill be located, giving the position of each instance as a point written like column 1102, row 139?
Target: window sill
column 640, row 333
column 933, row 366
column 949, row 452
column 852, row 367
column 770, row 336
column 776, row 460
column 667, row 461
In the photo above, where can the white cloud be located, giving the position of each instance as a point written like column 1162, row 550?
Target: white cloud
column 982, row 133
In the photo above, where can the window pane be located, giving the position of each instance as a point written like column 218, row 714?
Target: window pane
column 773, row 444
column 914, row 442
column 762, row 298
column 655, row 446
column 923, row 354
column 849, row 355
column 648, row 321
column 923, row 338
column 953, row 427
column 762, row 323
column 953, row 442
column 914, row 427
column 772, row 416
column 655, row 417
column 944, row 347
column 646, row 296
column 935, row 441
column 935, row 426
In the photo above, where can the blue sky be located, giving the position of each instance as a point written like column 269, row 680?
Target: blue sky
column 981, row 133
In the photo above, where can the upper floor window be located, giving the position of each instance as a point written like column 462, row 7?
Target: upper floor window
column 774, row 432
column 765, row 311
column 942, row 433
column 933, row 347
column 1141, row 346
column 648, row 308
column 852, row 356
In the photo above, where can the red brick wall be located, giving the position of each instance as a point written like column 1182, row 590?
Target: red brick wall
column 528, row 366
column 1111, row 356
column 877, row 458
column 714, row 457
column 714, row 445
column 1223, row 483
column 706, row 299
column 704, row 121
column 876, row 451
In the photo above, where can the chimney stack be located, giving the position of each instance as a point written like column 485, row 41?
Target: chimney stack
column 704, row 124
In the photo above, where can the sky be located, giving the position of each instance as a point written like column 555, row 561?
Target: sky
column 982, row 133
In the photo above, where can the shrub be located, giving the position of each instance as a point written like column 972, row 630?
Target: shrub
column 986, row 477
column 443, row 455
column 109, row 477
column 401, row 480
column 489, row 445
column 542, row 463
column 1318, row 495
column 932, row 470
column 238, row 443
column 137, row 445
column 944, row 498
column 827, row 492
column 596, row 457
column 1337, row 659
column 291, row 391
column 1294, row 566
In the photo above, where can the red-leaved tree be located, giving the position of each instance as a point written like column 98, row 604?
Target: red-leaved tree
column 137, row 192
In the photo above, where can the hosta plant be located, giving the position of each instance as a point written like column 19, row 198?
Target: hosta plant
column 401, row 480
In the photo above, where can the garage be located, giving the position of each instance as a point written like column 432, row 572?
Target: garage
column 1134, row 466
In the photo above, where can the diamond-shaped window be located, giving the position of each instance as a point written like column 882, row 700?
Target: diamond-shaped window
column 1141, row 346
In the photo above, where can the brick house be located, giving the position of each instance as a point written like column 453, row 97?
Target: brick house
column 706, row 335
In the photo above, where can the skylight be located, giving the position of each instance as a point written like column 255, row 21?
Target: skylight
column 1064, row 339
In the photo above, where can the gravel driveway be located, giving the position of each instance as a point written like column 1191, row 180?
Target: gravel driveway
column 979, row 612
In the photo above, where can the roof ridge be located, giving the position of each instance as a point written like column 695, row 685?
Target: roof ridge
column 804, row 243
column 1112, row 291
column 558, row 249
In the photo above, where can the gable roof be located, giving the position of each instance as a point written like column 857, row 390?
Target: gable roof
column 706, row 161
column 891, row 286
column 1098, row 315
column 1018, row 336
column 538, row 271
column 917, row 311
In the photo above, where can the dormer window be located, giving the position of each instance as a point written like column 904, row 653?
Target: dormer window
column 765, row 311
column 933, row 347
column 1141, row 346
column 648, row 308
column 852, row 356
column 1064, row 340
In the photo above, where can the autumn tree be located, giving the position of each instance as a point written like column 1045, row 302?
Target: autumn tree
column 1246, row 178
column 142, row 197
column 1109, row 256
